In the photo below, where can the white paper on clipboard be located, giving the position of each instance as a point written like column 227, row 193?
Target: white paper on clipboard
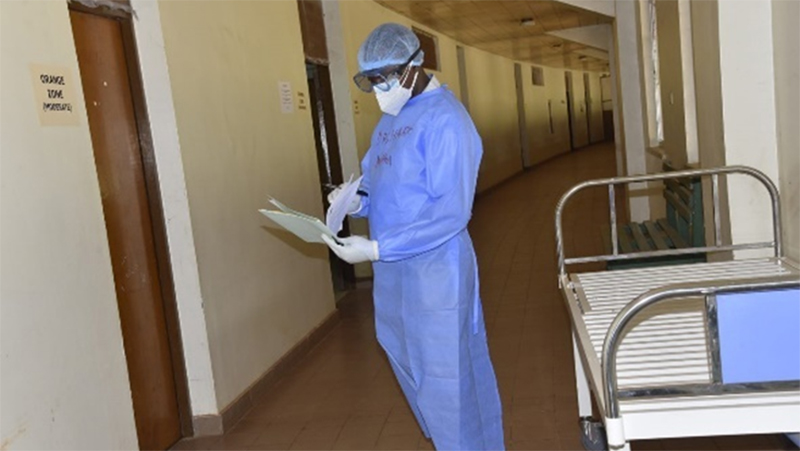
column 306, row 227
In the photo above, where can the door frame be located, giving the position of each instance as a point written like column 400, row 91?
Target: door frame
column 463, row 83
column 570, row 107
column 522, row 121
column 154, row 199
column 587, row 100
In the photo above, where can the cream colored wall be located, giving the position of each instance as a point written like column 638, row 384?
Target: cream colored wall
column 544, row 144
column 63, row 377
column 493, row 107
column 262, row 289
column 786, row 41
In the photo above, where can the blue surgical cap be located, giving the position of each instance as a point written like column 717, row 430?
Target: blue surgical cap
column 388, row 45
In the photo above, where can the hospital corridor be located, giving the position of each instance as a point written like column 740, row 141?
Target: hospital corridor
column 454, row 225
column 342, row 396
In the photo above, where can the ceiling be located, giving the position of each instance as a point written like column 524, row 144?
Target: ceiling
column 495, row 26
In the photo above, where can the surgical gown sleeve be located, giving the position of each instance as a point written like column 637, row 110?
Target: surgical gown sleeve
column 451, row 151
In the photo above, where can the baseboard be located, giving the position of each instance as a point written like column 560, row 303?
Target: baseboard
column 205, row 425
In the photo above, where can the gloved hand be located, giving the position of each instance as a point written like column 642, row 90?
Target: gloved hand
column 355, row 204
column 354, row 249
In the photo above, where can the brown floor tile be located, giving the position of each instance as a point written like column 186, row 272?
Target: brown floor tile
column 360, row 433
column 542, row 444
column 401, row 428
column 399, row 442
column 279, row 432
column 317, row 437
column 197, row 444
column 425, row 445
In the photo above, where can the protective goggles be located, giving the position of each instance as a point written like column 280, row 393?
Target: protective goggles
column 381, row 77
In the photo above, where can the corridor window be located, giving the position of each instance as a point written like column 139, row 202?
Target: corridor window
column 651, row 54
column 429, row 45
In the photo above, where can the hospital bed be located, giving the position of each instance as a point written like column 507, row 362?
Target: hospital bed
column 698, row 349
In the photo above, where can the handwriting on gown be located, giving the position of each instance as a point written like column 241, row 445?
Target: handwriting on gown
column 387, row 137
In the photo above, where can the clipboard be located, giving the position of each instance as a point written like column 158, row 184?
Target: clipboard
column 305, row 227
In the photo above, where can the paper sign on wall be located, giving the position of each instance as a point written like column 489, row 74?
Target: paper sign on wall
column 55, row 95
column 286, row 96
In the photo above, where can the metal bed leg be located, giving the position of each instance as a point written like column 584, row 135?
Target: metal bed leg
column 582, row 384
column 593, row 435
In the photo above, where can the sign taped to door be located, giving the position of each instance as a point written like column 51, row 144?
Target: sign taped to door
column 55, row 95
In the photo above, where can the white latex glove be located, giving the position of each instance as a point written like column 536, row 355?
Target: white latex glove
column 355, row 204
column 354, row 249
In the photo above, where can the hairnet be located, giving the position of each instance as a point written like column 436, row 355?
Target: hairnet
column 387, row 45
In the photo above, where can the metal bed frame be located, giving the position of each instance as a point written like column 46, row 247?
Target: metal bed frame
column 659, row 376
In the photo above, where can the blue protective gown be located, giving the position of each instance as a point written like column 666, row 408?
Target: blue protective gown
column 420, row 173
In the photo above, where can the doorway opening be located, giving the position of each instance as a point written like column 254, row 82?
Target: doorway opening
column 329, row 162
column 587, row 100
column 326, row 139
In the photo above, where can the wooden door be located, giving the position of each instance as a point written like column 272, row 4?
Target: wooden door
column 120, row 172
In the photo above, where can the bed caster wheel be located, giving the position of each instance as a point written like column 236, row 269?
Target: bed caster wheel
column 593, row 435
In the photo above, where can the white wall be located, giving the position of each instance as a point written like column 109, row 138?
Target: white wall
column 630, row 109
column 63, row 376
column 263, row 290
column 786, row 39
column 737, row 47
column 749, row 115
column 710, row 130
column 175, row 204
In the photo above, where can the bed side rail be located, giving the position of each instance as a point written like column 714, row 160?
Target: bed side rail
column 714, row 173
column 709, row 290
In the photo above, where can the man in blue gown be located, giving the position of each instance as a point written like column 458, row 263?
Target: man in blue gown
column 419, row 175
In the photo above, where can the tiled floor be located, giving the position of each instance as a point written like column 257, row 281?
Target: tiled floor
column 343, row 395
